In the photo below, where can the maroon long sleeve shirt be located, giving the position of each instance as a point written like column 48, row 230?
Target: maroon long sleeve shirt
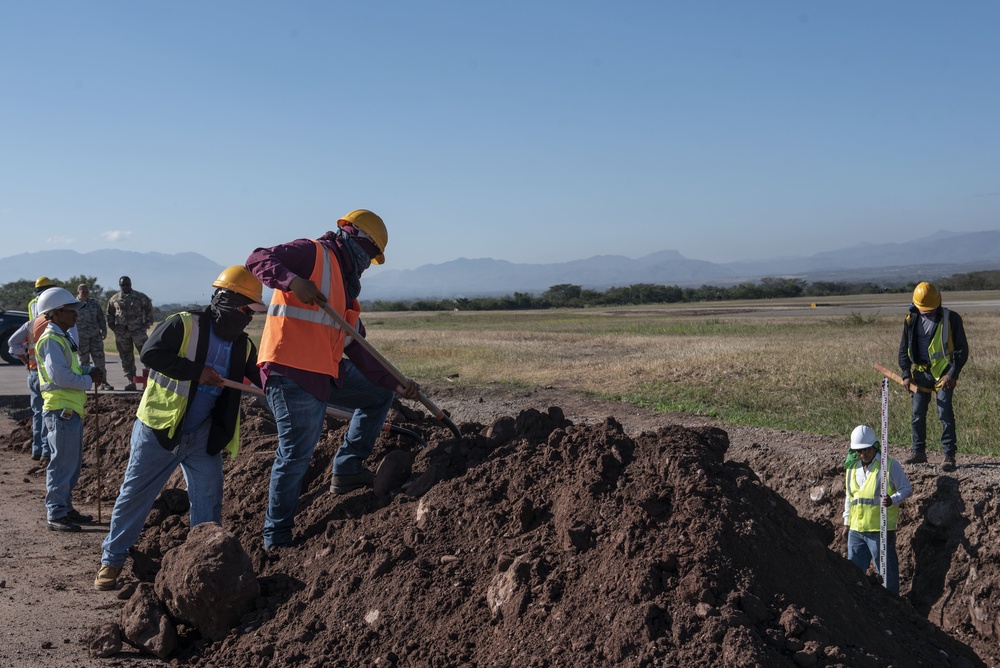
column 276, row 267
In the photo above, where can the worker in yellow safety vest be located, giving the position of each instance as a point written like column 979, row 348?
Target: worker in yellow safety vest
column 863, row 505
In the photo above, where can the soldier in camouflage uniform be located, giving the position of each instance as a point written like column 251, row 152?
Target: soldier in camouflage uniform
column 130, row 315
column 93, row 329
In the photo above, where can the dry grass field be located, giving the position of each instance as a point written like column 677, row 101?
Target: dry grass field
column 778, row 364
column 786, row 364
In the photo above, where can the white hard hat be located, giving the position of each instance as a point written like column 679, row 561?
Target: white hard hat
column 862, row 437
column 54, row 298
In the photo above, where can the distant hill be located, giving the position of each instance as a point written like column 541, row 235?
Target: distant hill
column 941, row 254
column 186, row 277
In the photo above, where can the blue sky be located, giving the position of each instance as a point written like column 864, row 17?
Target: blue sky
column 524, row 131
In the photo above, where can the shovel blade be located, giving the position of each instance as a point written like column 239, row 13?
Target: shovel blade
column 394, row 469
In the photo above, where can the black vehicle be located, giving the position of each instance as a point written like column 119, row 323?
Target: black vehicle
column 10, row 322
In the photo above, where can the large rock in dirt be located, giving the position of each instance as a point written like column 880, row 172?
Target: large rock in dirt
column 104, row 641
column 145, row 623
column 208, row 581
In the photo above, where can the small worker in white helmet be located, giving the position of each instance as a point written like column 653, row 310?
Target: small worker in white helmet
column 863, row 505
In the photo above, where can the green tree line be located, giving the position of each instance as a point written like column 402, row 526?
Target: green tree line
column 566, row 295
column 16, row 294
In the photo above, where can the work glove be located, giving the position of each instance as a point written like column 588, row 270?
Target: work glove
column 886, row 500
column 97, row 375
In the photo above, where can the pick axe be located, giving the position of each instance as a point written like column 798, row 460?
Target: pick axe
column 896, row 377
column 331, row 411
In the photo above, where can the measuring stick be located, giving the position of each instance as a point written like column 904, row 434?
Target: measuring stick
column 883, row 483
column 97, row 447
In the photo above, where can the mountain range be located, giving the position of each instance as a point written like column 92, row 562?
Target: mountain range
column 185, row 278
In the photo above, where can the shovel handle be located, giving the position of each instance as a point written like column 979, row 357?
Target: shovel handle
column 400, row 378
column 332, row 411
column 250, row 389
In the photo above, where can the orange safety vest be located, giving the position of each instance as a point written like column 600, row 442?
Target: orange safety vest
column 303, row 336
column 34, row 333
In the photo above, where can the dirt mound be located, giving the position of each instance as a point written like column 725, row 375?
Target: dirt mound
column 536, row 542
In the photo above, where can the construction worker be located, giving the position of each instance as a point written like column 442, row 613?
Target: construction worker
column 863, row 505
column 303, row 361
column 93, row 329
column 42, row 284
column 932, row 352
column 64, row 384
column 21, row 344
column 186, row 416
column 130, row 315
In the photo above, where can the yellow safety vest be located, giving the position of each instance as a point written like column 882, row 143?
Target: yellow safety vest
column 165, row 399
column 940, row 349
column 866, row 502
column 55, row 398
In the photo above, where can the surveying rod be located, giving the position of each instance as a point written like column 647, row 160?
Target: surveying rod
column 883, row 484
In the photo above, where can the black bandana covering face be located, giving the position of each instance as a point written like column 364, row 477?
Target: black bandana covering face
column 230, row 314
column 359, row 258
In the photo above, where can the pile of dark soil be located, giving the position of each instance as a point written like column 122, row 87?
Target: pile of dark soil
column 536, row 542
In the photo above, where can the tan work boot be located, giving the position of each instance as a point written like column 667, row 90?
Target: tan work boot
column 949, row 464
column 107, row 578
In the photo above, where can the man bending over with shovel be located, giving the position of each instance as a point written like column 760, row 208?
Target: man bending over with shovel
column 303, row 364
column 186, row 416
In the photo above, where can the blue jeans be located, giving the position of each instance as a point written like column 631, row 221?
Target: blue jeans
column 39, row 442
column 862, row 549
column 921, row 402
column 150, row 465
column 300, row 418
column 65, row 439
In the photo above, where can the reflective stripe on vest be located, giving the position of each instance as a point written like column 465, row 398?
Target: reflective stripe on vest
column 303, row 336
column 55, row 398
column 35, row 332
column 866, row 503
column 165, row 399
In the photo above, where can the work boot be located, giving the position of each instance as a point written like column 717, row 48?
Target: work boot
column 75, row 515
column 107, row 577
column 35, row 457
column 918, row 457
column 342, row 484
column 949, row 464
column 63, row 524
column 106, row 388
column 130, row 387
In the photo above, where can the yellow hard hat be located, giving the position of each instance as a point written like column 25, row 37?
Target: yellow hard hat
column 926, row 297
column 370, row 224
column 43, row 282
column 239, row 279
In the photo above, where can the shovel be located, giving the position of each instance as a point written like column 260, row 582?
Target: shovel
column 331, row 411
column 346, row 326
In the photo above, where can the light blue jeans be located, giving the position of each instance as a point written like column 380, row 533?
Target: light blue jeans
column 300, row 417
column 65, row 439
column 150, row 465
column 39, row 442
column 862, row 549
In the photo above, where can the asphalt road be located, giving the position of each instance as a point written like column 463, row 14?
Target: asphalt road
column 13, row 377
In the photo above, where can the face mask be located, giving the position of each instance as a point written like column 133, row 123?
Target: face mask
column 230, row 314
